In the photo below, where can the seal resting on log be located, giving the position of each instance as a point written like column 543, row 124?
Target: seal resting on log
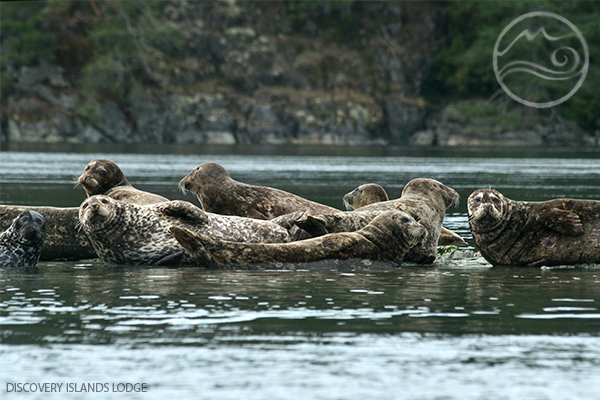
column 63, row 240
column 220, row 194
column 386, row 238
column 21, row 243
column 370, row 193
column 520, row 233
column 133, row 234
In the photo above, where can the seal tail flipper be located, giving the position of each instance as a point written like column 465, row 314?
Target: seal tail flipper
column 189, row 240
column 449, row 238
column 312, row 224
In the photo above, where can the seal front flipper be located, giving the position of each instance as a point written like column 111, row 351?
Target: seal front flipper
column 562, row 221
column 449, row 238
column 183, row 210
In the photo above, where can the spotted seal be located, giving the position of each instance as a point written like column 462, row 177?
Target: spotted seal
column 62, row 238
column 21, row 243
column 387, row 237
column 426, row 200
column 520, row 233
column 134, row 234
column 104, row 177
column 373, row 193
column 220, row 194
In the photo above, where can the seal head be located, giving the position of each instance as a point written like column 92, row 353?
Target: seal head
column 488, row 210
column 21, row 244
column 100, row 176
column 363, row 195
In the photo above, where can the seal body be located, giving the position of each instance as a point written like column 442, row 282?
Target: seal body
column 21, row 243
column 220, row 194
column 519, row 233
column 425, row 200
column 133, row 234
column 373, row 193
column 386, row 238
column 104, row 177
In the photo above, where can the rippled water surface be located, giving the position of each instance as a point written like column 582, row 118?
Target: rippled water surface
column 456, row 330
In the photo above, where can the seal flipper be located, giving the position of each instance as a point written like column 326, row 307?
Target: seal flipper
column 449, row 238
column 562, row 221
column 314, row 226
column 183, row 210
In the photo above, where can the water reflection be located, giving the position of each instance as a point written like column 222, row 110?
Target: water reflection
column 92, row 303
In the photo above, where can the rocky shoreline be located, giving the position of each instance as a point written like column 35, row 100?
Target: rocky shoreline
column 252, row 73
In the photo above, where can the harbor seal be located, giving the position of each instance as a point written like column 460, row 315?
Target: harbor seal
column 134, row 234
column 104, row 177
column 62, row 238
column 373, row 193
column 426, row 200
column 386, row 238
column 520, row 233
column 363, row 195
column 220, row 194
column 21, row 243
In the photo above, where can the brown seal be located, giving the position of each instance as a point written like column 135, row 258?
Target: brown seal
column 104, row 177
column 520, row 233
column 386, row 238
column 373, row 193
column 426, row 200
column 220, row 194
column 363, row 195
column 134, row 234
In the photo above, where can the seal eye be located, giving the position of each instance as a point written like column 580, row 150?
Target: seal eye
column 104, row 201
column 87, row 168
column 102, row 173
column 476, row 200
column 495, row 200
column 405, row 220
column 85, row 206
column 442, row 187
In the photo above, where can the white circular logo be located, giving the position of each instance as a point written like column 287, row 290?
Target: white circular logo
column 561, row 57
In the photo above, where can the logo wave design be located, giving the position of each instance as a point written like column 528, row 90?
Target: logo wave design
column 533, row 68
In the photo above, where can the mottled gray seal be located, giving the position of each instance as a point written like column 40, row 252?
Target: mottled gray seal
column 519, row 233
column 62, row 239
column 426, row 200
column 373, row 193
column 128, row 233
column 220, row 194
column 386, row 238
column 21, row 243
column 104, row 177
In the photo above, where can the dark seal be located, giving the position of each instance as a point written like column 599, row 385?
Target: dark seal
column 386, row 238
column 104, row 177
column 219, row 193
column 373, row 193
column 133, row 234
column 519, row 233
column 21, row 243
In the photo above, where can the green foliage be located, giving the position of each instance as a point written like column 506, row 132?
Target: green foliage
column 464, row 69
column 24, row 38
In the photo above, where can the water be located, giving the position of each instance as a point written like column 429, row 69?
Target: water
column 456, row 330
